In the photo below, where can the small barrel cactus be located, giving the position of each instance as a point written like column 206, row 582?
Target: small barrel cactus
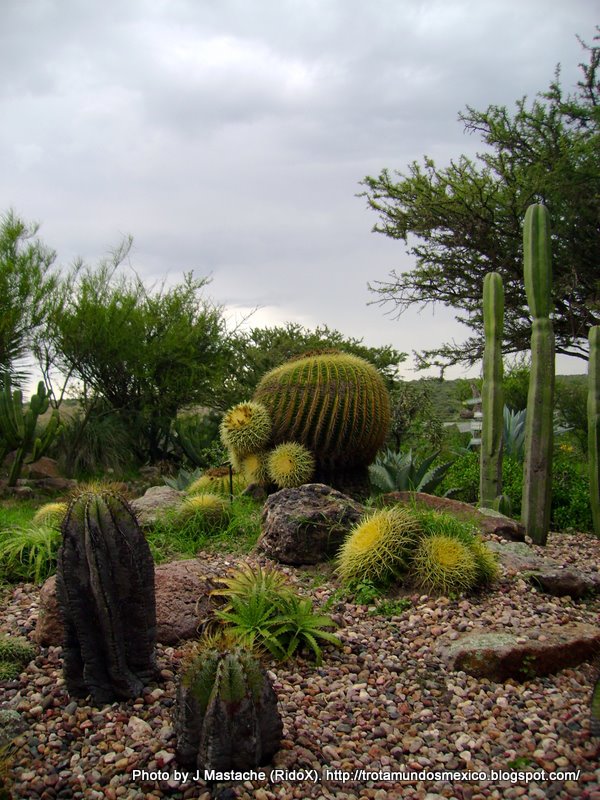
column 105, row 591
column 335, row 404
column 245, row 428
column 218, row 480
column 444, row 564
column 290, row 464
column 226, row 713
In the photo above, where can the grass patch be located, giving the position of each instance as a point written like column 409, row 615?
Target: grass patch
column 173, row 537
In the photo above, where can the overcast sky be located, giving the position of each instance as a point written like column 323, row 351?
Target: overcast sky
column 229, row 137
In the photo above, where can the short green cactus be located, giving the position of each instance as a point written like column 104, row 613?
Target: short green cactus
column 216, row 480
column 335, row 404
column 226, row 713
column 444, row 564
column 212, row 507
column 490, row 484
column 255, row 468
column 246, row 428
column 51, row 514
column 537, row 469
column 593, row 415
column 290, row 464
column 18, row 428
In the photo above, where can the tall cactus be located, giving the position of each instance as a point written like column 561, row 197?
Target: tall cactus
column 593, row 415
column 105, row 590
column 490, row 483
column 18, row 428
column 537, row 470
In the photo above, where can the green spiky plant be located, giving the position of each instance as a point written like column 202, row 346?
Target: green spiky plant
column 226, row 713
column 15, row 654
column 18, row 428
column 213, row 508
column 379, row 546
column 335, row 404
column 490, row 484
column 254, row 468
column 105, row 592
column 593, row 416
column 290, row 464
column 444, row 564
column 245, row 429
column 50, row 514
column 394, row 471
column 217, row 480
column 537, row 470
column 29, row 552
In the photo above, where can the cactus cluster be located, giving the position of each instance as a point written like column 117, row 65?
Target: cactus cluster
column 226, row 713
column 490, row 484
column 537, row 470
column 18, row 428
column 105, row 591
column 429, row 550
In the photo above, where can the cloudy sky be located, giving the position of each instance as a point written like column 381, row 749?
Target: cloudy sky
column 229, row 137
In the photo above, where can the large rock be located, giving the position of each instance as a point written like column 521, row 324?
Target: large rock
column 306, row 525
column 521, row 655
column 182, row 604
column 549, row 576
column 488, row 520
column 154, row 503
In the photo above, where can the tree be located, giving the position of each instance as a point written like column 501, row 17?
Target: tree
column 26, row 283
column 147, row 353
column 262, row 349
column 465, row 220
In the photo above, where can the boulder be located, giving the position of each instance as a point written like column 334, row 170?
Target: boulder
column 307, row 524
column 182, row 603
column 522, row 655
column 488, row 520
column 155, row 501
column 44, row 467
column 549, row 576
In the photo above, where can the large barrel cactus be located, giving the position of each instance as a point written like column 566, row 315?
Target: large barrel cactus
column 226, row 713
column 335, row 404
column 105, row 589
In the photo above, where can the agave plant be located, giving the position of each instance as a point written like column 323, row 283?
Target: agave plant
column 394, row 471
column 302, row 627
column 513, row 432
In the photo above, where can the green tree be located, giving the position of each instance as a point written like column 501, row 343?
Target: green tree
column 145, row 352
column 262, row 349
column 26, row 283
column 465, row 220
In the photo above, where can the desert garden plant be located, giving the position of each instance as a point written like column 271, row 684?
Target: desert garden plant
column 394, row 471
column 290, row 464
column 29, row 552
column 15, row 654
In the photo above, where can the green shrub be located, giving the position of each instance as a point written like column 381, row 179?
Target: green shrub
column 29, row 553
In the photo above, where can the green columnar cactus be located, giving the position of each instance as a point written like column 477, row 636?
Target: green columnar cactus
column 490, row 484
column 593, row 415
column 335, row 404
column 595, row 709
column 105, row 591
column 18, row 428
column 226, row 713
column 537, row 470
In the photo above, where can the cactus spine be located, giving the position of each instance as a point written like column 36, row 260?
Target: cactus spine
column 490, row 484
column 537, row 470
column 593, row 415
column 18, row 428
column 105, row 591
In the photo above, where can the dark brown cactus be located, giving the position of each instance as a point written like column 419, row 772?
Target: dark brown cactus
column 105, row 589
column 226, row 713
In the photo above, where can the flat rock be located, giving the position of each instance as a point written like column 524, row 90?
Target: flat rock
column 488, row 520
column 182, row 604
column 522, row 655
column 155, row 501
column 549, row 576
column 307, row 524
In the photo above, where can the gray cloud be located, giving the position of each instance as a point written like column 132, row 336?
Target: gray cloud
column 229, row 137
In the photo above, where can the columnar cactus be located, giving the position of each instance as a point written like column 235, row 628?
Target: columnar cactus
column 335, row 404
column 18, row 428
column 490, row 484
column 226, row 713
column 537, row 471
column 105, row 590
column 593, row 415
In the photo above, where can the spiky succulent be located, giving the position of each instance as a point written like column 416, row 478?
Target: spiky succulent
column 246, row 428
column 50, row 514
column 290, row 464
column 445, row 565
column 211, row 506
column 254, row 467
column 216, row 481
column 378, row 546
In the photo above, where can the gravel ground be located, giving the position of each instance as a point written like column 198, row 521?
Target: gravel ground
column 383, row 702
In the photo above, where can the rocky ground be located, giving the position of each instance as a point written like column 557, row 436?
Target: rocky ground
column 383, row 702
